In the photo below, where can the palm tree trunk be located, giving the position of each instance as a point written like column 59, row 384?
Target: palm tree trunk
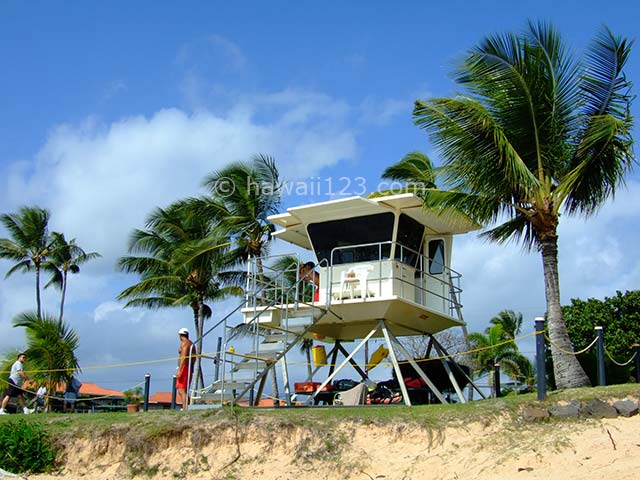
column 200, row 331
column 38, row 309
column 64, row 293
column 568, row 371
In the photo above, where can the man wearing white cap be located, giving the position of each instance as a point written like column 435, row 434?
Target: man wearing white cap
column 186, row 352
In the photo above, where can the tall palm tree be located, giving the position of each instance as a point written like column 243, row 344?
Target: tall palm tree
column 510, row 321
column 415, row 170
column 181, row 259
column 537, row 134
column 30, row 244
column 287, row 266
column 51, row 346
column 496, row 347
column 66, row 257
column 242, row 196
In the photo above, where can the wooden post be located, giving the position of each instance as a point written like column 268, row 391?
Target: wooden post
column 496, row 380
column 147, row 379
column 173, row 393
column 636, row 348
column 602, row 379
column 540, row 358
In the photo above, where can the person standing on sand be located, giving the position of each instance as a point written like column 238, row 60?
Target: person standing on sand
column 186, row 359
column 14, row 390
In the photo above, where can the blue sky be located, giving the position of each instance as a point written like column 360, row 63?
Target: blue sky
column 108, row 109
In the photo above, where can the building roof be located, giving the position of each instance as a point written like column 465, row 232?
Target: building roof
column 296, row 219
column 93, row 390
column 160, row 397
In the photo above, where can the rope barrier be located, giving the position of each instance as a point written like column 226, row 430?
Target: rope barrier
column 84, row 399
column 621, row 364
column 216, row 354
column 116, row 365
column 567, row 352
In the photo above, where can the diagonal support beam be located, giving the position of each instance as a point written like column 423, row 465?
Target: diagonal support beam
column 452, row 378
column 341, row 366
column 355, row 366
column 418, row 370
column 394, row 362
column 469, row 379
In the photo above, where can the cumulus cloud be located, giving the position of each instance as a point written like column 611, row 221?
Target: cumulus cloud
column 101, row 180
column 597, row 256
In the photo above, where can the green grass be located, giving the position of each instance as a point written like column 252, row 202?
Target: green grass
column 322, row 433
column 142, row 428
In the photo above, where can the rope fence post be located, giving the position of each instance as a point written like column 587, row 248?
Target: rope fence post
column 147, row 379
column 540, row 358
column 496, row 380
column 636, row 349
column 173, row 393
column 216, row 368
column 602, row 379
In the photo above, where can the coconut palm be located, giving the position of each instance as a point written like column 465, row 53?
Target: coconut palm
column 496, row 347
column 287, row 267
column 51, row 346
column 415, row 170
column 510, row 321
column 30, row 244
column 66, row 257
column 537, row 133
column 181, row 259
column 242, row 196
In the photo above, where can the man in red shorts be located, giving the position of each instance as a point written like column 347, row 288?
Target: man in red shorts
column 186, row 359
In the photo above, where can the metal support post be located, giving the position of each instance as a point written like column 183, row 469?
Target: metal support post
column 496, row 380
column 147, row 379
column 636, row 349
column 602, row 379
column 173, row 393
column 540, row 358
column 216, row 369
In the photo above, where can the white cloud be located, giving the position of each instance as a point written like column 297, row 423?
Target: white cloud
column 213, row 51
column 382, row 112
column 596, row 257
column 101, row 180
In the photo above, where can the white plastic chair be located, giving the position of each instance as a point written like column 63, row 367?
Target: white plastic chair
column 355, row 275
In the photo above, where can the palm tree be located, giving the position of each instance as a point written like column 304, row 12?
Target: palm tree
column 51, row 346
column 181, row 260
column 537, row 134
column 66, row 257
column 30, row 243
column 497, row 347
column 287, row 266
column 510, row 321
column 242, row 196
column 415, row 170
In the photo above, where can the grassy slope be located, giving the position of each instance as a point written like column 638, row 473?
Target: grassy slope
column 154, row 423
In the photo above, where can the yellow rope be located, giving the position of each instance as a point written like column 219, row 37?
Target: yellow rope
column 78, row 399
column 620, row 364
column 567, row 352
column 216, row 354
column 116, row 365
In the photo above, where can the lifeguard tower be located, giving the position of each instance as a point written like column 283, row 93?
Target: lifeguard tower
column 384, row 271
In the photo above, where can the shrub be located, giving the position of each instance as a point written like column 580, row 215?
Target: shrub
column 26, row 447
